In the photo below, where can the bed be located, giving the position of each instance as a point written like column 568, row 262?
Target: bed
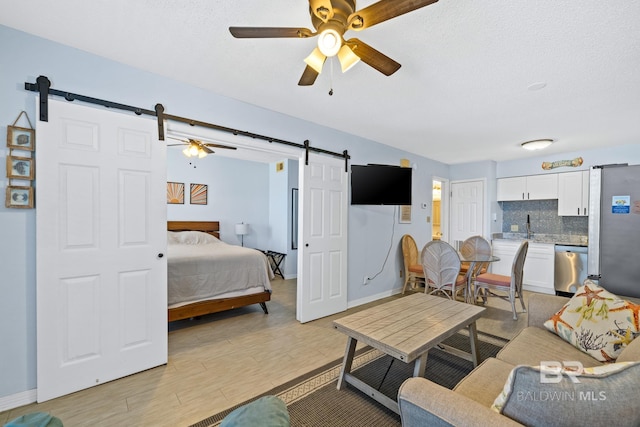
column 206, row 275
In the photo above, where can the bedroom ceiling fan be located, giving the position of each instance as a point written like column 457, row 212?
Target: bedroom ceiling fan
column 331, row 19
column 198, row 148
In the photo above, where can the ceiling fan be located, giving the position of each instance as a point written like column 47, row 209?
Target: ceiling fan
column 331, row 19
column 198, row 148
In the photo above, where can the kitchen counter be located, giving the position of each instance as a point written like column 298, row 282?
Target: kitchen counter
column 557, row 239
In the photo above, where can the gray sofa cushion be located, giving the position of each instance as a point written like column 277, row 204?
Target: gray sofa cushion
column 631, row 353
column 485, row 382
column 595, row 400
column 534, row 345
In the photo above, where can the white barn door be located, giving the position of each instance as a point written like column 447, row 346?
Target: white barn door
column 101, row 239
column 467, row 211
column 322, row 261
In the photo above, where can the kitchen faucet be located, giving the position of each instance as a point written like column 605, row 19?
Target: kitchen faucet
column 528, row 227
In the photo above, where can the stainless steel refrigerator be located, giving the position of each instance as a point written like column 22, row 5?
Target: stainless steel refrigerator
column 614, row 228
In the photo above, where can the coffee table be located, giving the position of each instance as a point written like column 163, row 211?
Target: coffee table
column 406, row 329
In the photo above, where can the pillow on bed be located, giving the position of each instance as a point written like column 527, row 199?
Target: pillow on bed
column 172, row 238
column 194, row 238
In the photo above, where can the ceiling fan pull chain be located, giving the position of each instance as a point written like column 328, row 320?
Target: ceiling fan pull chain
column 331, row 77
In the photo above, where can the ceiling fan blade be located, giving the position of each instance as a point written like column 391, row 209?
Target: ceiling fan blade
column 372, row 57
column 322, row 9
column 309, row 77
column 382, row 11
column 206, row 149
column 174, row 145
column 178, row 139
column 220, row 146
column 269, row 32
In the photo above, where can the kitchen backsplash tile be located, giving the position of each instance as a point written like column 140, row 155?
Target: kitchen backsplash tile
column 543, row 216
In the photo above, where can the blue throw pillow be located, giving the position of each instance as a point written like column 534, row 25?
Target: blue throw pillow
column 268, row 411
column 36, row 419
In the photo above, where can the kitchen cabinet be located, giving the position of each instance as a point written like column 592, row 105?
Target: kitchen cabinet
column 538, row 273
column 506, row 251
column 539, row 268
column 532, row 187
column 573, row 193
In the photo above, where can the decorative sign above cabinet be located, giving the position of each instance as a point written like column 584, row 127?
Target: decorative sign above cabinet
column 562, row 163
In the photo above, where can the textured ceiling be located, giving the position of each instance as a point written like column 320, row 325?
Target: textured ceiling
column 463, row 92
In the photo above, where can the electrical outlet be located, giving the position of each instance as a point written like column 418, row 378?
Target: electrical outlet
column 514, row 227
column 365, row 280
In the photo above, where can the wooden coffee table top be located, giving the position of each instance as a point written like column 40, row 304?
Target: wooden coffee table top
column 408, row 327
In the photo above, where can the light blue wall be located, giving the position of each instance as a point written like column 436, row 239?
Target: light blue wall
column 620, row 154
column 238, row 191
column 25, row 57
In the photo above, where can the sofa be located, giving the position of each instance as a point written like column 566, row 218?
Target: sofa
column 424, row 403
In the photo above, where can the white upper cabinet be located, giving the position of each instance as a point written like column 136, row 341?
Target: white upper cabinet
column 573, row 193
column 532, row 187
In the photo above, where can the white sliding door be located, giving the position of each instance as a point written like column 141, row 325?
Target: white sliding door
column 101, row 239
column 322, row 262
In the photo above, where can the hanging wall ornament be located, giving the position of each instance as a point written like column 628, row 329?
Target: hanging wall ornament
column 21, row 138
column 20, row 167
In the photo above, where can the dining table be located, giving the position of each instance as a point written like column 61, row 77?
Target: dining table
column 476, row 262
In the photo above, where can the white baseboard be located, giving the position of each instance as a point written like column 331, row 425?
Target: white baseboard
column 290, row 276
column 18, row 399
column 372, row 298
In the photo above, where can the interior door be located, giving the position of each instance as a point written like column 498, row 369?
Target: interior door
column 467, row 210
column 101, row 236
column 323, row 239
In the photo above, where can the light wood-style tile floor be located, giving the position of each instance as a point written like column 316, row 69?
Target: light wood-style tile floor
column 221, row 360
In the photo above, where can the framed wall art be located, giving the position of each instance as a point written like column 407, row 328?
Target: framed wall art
column 20, row 168
column 404, row 215
column 19, row 197
column 198, row 194
column 21, row 138
column 175, row 193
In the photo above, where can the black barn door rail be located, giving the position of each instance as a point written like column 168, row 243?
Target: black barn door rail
column 43, row 87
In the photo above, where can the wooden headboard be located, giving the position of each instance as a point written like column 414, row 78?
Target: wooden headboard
column 210, row 227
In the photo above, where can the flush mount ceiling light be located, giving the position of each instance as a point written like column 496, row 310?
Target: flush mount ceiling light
column 536, row 144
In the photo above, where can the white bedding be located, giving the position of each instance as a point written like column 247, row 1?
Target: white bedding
column 202, row 267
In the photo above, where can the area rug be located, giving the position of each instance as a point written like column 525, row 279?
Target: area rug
column 313, row 400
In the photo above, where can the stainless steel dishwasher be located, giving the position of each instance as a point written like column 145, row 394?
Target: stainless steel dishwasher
column 570, row 268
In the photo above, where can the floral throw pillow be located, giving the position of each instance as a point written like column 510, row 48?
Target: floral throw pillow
column 597, row 322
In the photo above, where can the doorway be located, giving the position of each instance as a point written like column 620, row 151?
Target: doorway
column 439, row 209
column 322, row 219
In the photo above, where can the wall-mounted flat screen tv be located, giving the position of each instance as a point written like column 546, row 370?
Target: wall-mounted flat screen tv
column 380, row 185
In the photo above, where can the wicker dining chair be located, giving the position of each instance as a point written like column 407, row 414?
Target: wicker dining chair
column 413, row 272
column 512, row 285
column 441, row 265
column 475, row 245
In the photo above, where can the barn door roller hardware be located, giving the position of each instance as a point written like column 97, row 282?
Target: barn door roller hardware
column 43, row 87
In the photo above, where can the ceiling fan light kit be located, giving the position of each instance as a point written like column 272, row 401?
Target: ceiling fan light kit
column 198, row 148
column 536, row 144
column 347, row 58
column 331, row 19
column 315, row 60
column 329, row 42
